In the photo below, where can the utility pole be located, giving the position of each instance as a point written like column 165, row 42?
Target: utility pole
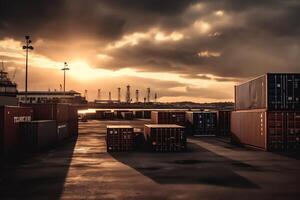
column 148, row 95
column 128, row 94
column 65, row 69
column 109, row 96
column 137, row 96
column 99, row 94
column 27, row 47
column 119, row 95
column 155, row 97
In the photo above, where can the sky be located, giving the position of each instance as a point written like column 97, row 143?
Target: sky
column 184, row 50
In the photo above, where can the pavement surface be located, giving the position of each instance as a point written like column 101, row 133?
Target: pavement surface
column 210, row 169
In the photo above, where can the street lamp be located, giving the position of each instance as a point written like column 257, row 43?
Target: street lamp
column 65, row 69
column 28, row 47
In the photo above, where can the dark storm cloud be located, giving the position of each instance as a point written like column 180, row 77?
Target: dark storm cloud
column 258, row 36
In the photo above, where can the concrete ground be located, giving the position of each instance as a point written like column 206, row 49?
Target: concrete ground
column 210, row 169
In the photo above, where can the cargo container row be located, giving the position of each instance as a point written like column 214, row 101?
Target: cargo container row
column 202, row 123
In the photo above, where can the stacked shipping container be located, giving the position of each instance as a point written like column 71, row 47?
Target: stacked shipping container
column 168, row 117
column 119, row 138
column 10, row 118
column 267, row 112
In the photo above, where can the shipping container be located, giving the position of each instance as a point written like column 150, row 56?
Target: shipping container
column 73, row 128
column 138, row 114
column 165, row 137
column 100, row 114
column 10, row 118
column 37, row 135
column 224, row 122
column 168, row 117
column 273, row 91
column 127, row 115
column 267, row 130
column 73, row 113
column 62, row 131
column 202, row 123
column 118, row 113
column 119, row 138
column 147, row 114
column 138, row 139
column 50, row 111
column 109, row 115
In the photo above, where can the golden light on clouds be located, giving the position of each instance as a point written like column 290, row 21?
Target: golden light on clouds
column 208, row 54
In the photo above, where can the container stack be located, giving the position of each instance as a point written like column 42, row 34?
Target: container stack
column 202, row 123
column 65, row 115
column 168, row 117
column 165, row 137
column 10, row 118
column 267, row 112
column 119, row 138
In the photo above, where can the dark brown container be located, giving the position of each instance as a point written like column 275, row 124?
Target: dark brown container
column 73, row 113
column 73, row 128
column 37, row 135
column 273, row 91
column 119, row 138
column 147, row 114
column 165, row 137
column 127, row 115
column 267, row 130
column 63, row 131
column 108, row 115
column 100, row 114
column 53, row 111
column 138, row 114
column 118, row 113
column 168, row 117
column 10, row 118
column 224, row 122
column 202, row 123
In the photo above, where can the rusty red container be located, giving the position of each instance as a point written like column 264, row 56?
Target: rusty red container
column 168, row 117
column 10, row 118
column 51, row 111
column 267, row 130
column 119, row 138
column 165, row 137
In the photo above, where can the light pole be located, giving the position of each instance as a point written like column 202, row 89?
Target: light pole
column 65, row 69
column 28, row 47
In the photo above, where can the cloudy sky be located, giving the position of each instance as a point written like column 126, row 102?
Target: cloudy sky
column 185, row 50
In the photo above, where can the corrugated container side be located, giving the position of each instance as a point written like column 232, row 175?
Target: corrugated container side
column 284, row 92
column 100, row 114
column 224, row 122
column 73, row 128
column 165, row 139
column 119, row 139
column 108, row 115
column 58, row 112
column 10, row 118
column 62, row 131
column 37, row 135
column 147, row 114
column 138, row 114
column 73, row 113
column 203, row 123
column 127, row 115
column 293, row 131
column 168, row 117
column 251, row 95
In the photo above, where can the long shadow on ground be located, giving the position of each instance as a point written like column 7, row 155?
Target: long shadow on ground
column 196, row 166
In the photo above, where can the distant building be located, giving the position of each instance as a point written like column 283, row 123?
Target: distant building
column 51, row 97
